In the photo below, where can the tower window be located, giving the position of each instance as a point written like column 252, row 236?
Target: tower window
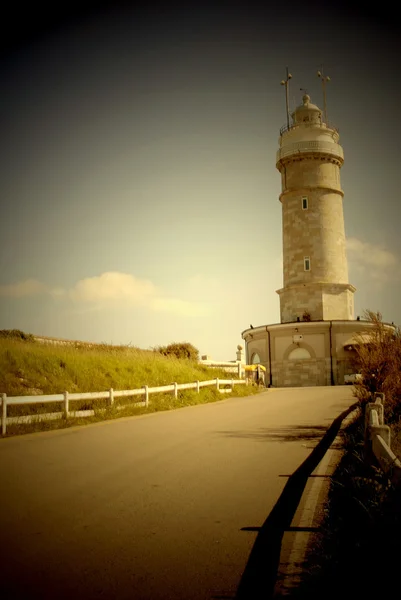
column 304, row 203
column 306, row 263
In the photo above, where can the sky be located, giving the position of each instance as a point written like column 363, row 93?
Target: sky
column 139, row 193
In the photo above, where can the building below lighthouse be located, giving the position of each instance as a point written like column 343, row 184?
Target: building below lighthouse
column 315, row 342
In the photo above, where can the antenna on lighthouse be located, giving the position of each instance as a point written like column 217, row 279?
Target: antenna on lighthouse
column 324, row 79
column 285, row 82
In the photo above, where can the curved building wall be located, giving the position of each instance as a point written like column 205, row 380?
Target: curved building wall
column 326, row 359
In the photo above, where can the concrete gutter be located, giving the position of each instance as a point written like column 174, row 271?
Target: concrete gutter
column 307, row 519
column 273, row 564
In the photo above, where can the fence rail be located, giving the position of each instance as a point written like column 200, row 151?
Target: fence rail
column 109, row 395
column 378, row 439
column 228, row 366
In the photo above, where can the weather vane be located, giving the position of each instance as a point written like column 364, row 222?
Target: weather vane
column 285, row 82
column 324, row 79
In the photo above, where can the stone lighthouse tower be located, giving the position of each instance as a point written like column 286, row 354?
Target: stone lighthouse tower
column 315, row 271
column 314, row 343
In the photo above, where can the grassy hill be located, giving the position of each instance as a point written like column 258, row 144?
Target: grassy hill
column 28, row 367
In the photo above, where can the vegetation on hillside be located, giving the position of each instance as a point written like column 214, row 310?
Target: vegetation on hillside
column 179, row 350
column 28, row 367
column 16, row 334
column 52, row 369
column 378, row 359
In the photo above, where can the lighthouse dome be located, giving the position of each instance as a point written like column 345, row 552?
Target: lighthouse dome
column 307, row 112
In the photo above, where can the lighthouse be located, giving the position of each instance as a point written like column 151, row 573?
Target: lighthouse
column 314, row 343
column 315, row 271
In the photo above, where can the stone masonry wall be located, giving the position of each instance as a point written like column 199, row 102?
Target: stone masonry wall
column 318, row 233
column 312, row 172
column 321, row 301
column 300, row 373
column 338, row 304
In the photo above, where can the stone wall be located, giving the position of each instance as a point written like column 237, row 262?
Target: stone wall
column 321, row 301
column 329, row 344
column 317, row 232
column 338, row 303
column 312, row 171
column 300, row 373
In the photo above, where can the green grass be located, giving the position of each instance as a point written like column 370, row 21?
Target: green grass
column 30, row 368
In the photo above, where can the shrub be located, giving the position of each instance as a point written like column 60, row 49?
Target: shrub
column 179, row 350
column 379, row 362
column 16, row 334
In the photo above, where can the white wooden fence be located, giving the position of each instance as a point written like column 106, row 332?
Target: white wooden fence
column 377, row 438
column 111, row 394
column 228, row 366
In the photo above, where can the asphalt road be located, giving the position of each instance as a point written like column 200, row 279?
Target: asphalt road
column 151, row 507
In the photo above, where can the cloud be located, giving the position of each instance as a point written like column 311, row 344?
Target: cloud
column 29, row 287
column 111, row 287
column 57, row 292
column 372, row 261
column 109, row 290
column 180, row 307
column 370, row 254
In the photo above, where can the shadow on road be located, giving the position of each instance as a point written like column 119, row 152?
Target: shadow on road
column 296, row 433
column 259, row 577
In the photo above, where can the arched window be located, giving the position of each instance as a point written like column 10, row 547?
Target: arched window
column 255, row 359
column 299, row 354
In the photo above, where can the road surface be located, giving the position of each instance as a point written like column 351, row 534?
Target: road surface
column 151, row 507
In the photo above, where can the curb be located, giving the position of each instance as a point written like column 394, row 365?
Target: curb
column 307, row 519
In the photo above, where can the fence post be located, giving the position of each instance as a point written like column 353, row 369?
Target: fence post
column 4, row 414
column 175, row 390
column 111, row 397
column 239, row 370
column 145, row 387
column 217, row 384
column 232, row 385
column 66, row 405
column 197, row 386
